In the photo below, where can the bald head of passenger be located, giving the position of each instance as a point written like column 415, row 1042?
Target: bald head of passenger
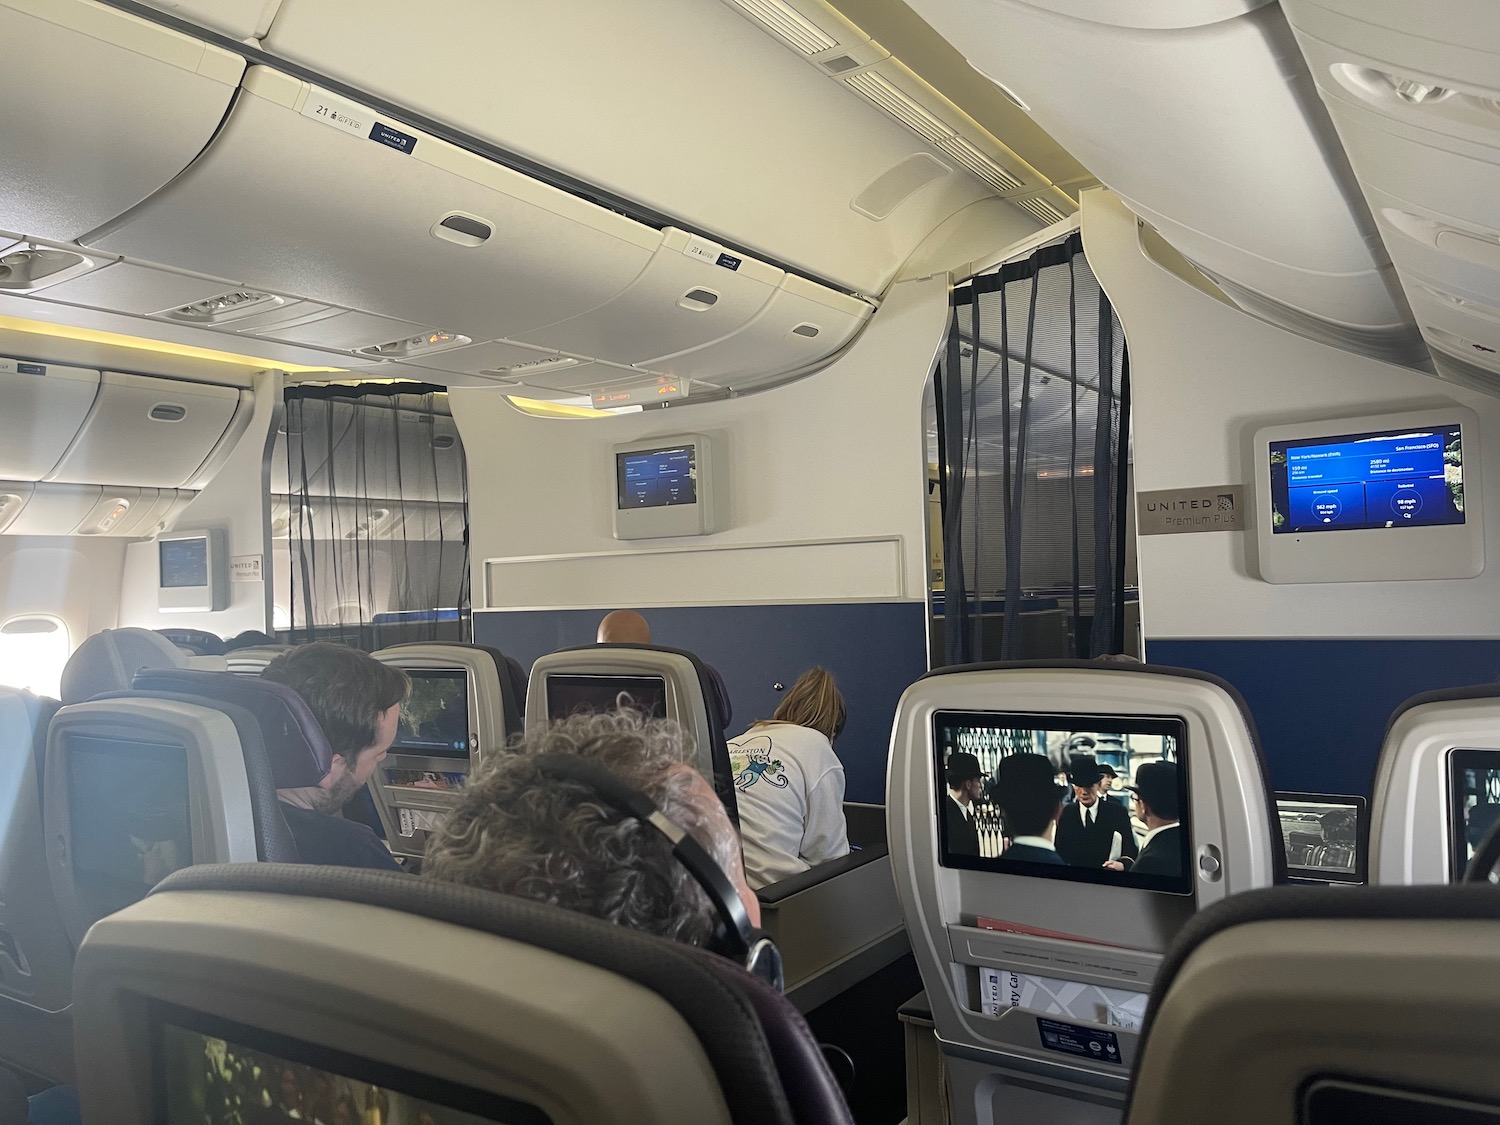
column 624, row 627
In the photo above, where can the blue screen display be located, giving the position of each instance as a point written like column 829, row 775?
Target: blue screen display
column 658, row 478
column 1395, row 478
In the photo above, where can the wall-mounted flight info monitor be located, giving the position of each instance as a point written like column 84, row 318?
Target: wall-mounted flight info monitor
column 1383, row 497
column 194, row 572
column 663, row 487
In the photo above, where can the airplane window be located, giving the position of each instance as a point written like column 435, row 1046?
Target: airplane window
column 33, row 650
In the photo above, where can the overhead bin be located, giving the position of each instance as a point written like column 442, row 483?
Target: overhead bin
column 101, row 108
column 45, row 404
column 239, row 19
column 294, row 196
column 150, row 432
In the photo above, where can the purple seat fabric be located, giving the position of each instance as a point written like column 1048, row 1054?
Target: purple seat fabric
column 296, row 748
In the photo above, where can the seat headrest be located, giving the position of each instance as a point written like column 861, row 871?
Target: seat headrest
column 296, row 747
column 109, row 660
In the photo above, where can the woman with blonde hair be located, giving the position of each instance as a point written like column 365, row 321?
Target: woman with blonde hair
column 791, row 784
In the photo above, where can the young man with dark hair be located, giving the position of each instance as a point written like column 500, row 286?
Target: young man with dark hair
column 965, row 777
column 1093, row 832
column 1031, row 802
column 357, row 701
column 1157, row 800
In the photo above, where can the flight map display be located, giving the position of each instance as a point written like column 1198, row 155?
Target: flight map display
column 1086, row 798
column 435, row 716
column 1394, row 478
column 210, row 1080
column 658, row 478
column 184, row 563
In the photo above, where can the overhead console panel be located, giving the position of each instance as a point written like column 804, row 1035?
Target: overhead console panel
column 1413, row 90
column 1197, row 115
column 100, row 109
column 239, row 19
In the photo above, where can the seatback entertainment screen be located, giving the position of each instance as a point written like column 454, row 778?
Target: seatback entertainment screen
column 658, row 478
column 1394, row 478
column 435, row 716
column 573, row 695
column 1474, row 803
column 1086, row 798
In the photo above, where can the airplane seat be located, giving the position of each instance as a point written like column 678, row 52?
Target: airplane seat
column 1438, row 770
column 252, row 660
column 1327, row 1004
column 138, row 785
column 463, row 707
column 109, row 660
column 195, row 642
column 500, row 1007
column 1039, row 926
column 36, row 955
column 668, row 682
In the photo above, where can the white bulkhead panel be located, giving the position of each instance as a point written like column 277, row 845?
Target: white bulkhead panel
column 1204, row 125
column 150, row 432
column 100, row 109
column 296, row 197
column 44, row 405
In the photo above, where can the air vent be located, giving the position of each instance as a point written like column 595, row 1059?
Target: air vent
column 225, row 307
column 839, row 64
column 884, row 95
column 167, row 412
column 463, row 229
column 698, row 300
column 787, row 24
column 422, row 344
column 551, row 363
column 980, row 164
column 807, row 330
column 1041, row 209
column 34, row 268
column 443, row 441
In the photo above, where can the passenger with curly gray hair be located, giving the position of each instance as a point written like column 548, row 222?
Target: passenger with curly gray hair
column 522, row 832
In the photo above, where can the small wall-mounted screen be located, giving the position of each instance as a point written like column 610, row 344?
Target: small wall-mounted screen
column 1323, row 836
column 1474, row 803
column 229, row 1073
column 658, row 478
column 435, row 716
column 1086, row 798
column 573, row 695
column 129, row 816
column 184, row 563
column 1394, row 478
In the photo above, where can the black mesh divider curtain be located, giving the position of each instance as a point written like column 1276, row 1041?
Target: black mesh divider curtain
column 370, row 517
column 1033, row 407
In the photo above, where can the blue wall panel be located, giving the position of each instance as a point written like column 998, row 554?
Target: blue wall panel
column 875, row 650
column 1321, row 705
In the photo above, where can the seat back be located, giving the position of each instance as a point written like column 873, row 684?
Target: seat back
column 36, row 955
column 195, row 642
column 1327, row 1004
column 463, row 706
column 109, row 660
column 296, row 749
column 252, row 660
column 136, row 787
column 437, row 994
column 1037, row 961
column 1437, row 785
column 668, row 682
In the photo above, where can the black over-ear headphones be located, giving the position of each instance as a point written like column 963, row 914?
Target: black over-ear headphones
column 734, row 937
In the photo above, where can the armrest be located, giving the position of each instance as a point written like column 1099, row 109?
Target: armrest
column 785, row 888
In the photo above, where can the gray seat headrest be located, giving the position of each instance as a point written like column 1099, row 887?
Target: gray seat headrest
column 108, row 661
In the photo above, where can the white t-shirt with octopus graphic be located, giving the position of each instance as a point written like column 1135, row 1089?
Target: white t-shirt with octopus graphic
column 790, row 789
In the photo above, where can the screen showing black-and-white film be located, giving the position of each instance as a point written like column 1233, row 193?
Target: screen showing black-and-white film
column 1323, row 836
column 1474, row 803
column 1087, row 798
column 223, row 1074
